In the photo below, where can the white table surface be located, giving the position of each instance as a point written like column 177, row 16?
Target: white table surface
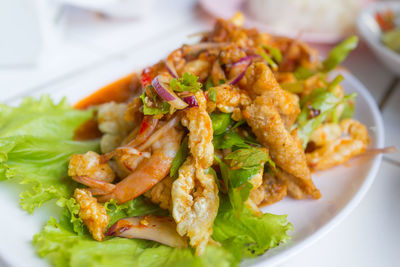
column 77, row 42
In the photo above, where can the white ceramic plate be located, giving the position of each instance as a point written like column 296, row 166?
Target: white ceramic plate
column 342, row 187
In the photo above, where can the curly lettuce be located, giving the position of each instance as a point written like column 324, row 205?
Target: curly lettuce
column 67, row 243
column 35, row 146
column 247, row 236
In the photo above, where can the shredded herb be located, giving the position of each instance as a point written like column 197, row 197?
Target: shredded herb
column 180, row 158
column 188, row 82
column 160, row 107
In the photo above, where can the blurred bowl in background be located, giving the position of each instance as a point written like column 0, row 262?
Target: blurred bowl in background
column 323, row 21
column 114, row 8
column 371, row 33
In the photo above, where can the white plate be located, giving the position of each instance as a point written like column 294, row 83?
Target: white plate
column 342, row 187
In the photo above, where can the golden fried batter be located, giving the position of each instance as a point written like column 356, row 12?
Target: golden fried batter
column 266, row 123
column 93, row 214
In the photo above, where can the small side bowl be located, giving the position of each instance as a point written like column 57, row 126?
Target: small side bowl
column 371, row 33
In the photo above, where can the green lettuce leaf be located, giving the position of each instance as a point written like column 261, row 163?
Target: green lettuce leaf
column 62, row 245
column 241, row 237
column 35, row 147
column 135, row 207
column 248, row 235
column 42, row 118
column 237, row 184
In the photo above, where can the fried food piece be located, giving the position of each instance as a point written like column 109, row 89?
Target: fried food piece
column 251, row 202
column 93, row 214
column 228, row 97
column 195, row 204
column 111, row 119
column 199, row 124
column 261, row 82
column 295, row 54
column 286, row 151
column 150, row 171
column 194, row 194
column 90, row 165
column 271, row 191
column 334, row 148
column 160, row 194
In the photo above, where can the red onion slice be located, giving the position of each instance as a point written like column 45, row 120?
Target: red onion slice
column 191, row 100
column 165, row 93
column 247, row 61
column 171, row 69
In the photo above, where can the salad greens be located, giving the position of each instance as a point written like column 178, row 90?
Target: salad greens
column 247, row 236
column 220, row 122
column 35, row 146
column 243, row 164
column 339, row 53
column 388, row 22
column 317, row 106
column 336, row 56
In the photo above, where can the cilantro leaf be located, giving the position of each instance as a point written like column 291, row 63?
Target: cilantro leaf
column 188, row 82
column 243, row 165
column 230, row 139
column 247, row 158
column 162, row 108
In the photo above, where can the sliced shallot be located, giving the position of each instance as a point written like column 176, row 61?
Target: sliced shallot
column 158, row 134
column 191, row 101
column 167, row 94
column 246, row 61
column 161, row 229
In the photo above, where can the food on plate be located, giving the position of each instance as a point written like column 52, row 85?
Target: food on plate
column 173, row 165
column 388, row 22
